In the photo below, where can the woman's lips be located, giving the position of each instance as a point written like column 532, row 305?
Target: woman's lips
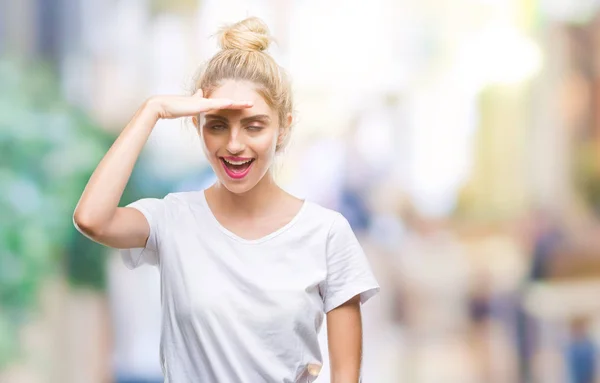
column 237, row 167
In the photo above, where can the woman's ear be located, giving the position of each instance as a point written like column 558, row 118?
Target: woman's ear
column 284, row 132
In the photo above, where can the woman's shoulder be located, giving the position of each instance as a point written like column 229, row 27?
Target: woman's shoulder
column 172, row 202
column 186, row 197
column 323, row 215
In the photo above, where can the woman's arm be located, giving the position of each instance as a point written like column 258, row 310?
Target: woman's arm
column 97, row 214
column 344, row 333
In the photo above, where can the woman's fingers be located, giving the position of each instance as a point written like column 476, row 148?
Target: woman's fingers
column 182, row 106
column 223, row 103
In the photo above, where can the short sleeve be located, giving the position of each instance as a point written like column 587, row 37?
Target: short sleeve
column 154, row 211
column 348, row 270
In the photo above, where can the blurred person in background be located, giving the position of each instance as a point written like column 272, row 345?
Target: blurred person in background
column 546, row 236
column 581, row 352
column 247, row 271
column 135, row 322
column 480, row 326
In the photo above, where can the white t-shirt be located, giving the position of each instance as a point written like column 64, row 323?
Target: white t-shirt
column 237, row 310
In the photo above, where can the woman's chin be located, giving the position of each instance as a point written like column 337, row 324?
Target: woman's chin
column 237, row 186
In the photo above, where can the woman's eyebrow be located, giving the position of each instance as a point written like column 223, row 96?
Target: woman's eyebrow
column 215, row 117
column 256, row 118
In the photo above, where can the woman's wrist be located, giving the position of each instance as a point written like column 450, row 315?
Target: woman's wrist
column 151, row 109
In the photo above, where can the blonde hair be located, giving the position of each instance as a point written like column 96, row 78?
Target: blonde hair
column 243, row 57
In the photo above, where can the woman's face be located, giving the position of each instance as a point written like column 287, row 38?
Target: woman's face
column 240, row 144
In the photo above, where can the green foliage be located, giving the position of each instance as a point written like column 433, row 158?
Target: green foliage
column 48, row 150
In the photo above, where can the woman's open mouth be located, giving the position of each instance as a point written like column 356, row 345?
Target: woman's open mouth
column 237, row 168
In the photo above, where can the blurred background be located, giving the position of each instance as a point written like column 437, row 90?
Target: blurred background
column 460, row 138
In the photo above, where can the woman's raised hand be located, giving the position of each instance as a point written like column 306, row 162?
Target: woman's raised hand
column 187, row 106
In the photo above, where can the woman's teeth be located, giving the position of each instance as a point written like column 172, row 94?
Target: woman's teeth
column 237, row 162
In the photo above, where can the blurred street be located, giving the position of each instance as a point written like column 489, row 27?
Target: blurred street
column 461, row 140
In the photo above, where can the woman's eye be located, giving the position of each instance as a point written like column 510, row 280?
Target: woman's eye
column 217, row 127
column 254, row 128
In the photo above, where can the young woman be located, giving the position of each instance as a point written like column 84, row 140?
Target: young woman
column 248, row 271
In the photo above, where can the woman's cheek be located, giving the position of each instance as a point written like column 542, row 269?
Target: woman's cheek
column 209, row 146
column 267, row 145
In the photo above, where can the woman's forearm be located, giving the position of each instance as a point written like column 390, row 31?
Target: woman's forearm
column 101, row 196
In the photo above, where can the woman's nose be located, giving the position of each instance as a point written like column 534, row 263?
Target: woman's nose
column 235, row 144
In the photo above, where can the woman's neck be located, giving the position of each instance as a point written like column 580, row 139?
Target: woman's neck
column 255, row 202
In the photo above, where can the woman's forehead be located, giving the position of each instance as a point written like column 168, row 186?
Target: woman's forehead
column 241, row 91
column 237, row 90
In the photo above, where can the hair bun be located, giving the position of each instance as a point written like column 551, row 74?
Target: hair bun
column 250, row 34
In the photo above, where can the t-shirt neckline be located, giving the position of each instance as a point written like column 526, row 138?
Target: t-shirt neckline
column 236, row 237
